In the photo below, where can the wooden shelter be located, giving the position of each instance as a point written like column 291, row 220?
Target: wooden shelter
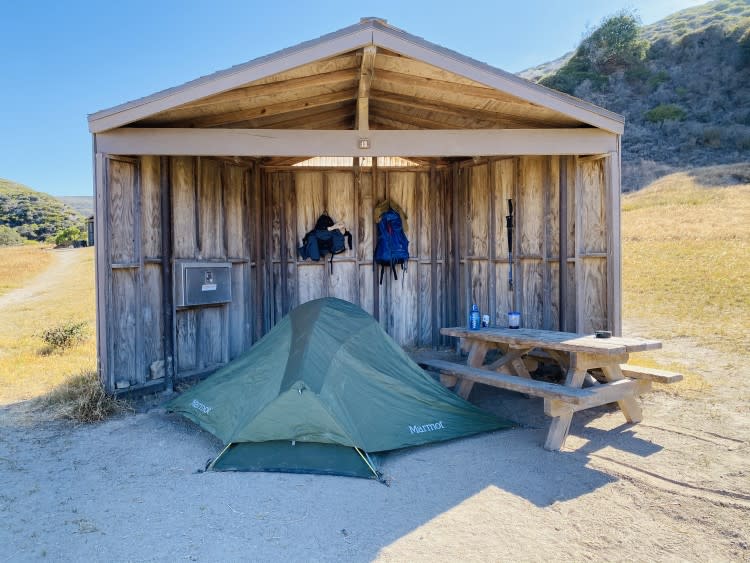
column 221, row 177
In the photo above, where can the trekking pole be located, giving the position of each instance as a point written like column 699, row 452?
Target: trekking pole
column 509, row 226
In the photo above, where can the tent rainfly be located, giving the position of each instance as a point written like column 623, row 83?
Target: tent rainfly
column 323, row 392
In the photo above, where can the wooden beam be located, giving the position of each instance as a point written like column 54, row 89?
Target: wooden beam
column 275, row 88
column 295, row 142
column 366, row 73
column 415, row 120
column 454, row 110
column 270, row 110
column 383, row 122
column 302, row 119
column 444, row 86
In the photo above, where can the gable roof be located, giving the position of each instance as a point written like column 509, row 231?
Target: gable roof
column 415, row 85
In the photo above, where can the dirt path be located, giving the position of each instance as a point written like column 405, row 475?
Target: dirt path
column 64, row 260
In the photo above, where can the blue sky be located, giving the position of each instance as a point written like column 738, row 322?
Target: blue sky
column 60, row 61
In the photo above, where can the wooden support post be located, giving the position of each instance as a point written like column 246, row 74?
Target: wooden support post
column 257, row 252
column 491, row 180
column 366, row 73
column 376, row 198
column 103, row 270
column 432, row 198
column 614, row 254
column 170, row 328
column 563, row 246
column 455, row 247
column 283, row 250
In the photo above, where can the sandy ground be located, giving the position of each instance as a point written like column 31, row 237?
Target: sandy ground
column 675, row 487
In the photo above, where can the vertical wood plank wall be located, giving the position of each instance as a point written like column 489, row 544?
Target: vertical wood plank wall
column 210, row 210
column 534, row 185
column 255, row 219
column 409, row 308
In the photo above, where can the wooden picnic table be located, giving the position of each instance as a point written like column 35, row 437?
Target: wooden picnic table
column 575, row 353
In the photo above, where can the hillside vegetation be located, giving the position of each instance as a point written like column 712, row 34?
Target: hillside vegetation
column 84, row 204
column 33, row 215
column 682, row 85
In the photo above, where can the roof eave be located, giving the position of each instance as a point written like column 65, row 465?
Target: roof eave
column 341, row 41
column 367, row 32
column 418, row 48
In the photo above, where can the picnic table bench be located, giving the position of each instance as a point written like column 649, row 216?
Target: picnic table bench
column 576, row 354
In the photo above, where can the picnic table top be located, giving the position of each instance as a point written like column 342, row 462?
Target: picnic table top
column 555, row 340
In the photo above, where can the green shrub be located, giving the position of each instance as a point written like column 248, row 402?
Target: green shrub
column 10, row 237
column 658, row 78
column 64, row 335
column 68, row 236
column 615, row 44
column 665, row 112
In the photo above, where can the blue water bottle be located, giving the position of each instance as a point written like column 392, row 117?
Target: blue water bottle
column 475, row 319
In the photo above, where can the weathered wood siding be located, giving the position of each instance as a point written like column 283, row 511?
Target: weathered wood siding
column 581, row 302
column 209, row 210
column 411, row 308
column 162, row 209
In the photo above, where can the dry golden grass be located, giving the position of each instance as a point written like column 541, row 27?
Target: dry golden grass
column 686, row 266
column 19, row 264
column 80, row 398
column 25, row 372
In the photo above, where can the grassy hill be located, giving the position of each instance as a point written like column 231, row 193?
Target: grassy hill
column 84, row 204
column 682, row 87
column 34, row 215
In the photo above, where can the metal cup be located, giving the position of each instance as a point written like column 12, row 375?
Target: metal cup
column 514, row 319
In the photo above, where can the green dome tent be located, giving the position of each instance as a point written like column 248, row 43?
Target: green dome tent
column 323, row 392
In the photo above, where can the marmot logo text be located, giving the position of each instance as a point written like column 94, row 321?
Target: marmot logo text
column 196, row 404
column 426, row 428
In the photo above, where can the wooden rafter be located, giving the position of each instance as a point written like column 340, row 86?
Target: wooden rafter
column 366, row 73
column 271, row 110
column 390, row 122
column 429, row 119
column 421, row 122
column 302, row 119
column 275, row 88
column 450, row 110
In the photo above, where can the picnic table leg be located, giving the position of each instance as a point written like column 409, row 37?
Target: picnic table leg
column 629, row 406
column 477, row 353
column 560, row 425
column 512, row 362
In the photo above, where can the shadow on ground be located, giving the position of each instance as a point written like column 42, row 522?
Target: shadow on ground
column 132, row 488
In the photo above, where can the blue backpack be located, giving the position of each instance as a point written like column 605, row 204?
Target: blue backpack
column 392, row 246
